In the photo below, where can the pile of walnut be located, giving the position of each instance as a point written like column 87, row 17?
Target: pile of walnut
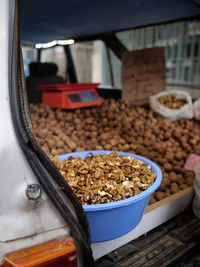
column 172, row 102
column 120, row 127
column 105, row 178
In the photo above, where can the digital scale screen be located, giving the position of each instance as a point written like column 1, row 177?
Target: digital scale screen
column 74, row 98
column 82, row 97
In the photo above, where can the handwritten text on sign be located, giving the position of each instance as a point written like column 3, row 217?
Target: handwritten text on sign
column 143, row 74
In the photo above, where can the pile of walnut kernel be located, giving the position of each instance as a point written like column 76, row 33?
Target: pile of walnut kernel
column 105, row 178
column 121, row 127
column 172, row 102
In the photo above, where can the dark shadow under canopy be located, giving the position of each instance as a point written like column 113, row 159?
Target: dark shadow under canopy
column 47, row 20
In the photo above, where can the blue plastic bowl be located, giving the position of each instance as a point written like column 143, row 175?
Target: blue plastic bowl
column 111, row 220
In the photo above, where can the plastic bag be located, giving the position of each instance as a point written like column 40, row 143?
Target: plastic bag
column 196, row 108
column 196, row 201
column 185, row 112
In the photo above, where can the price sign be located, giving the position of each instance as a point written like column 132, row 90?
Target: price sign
column 143, row 74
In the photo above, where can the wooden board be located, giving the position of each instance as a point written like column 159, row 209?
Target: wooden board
column 171, row 198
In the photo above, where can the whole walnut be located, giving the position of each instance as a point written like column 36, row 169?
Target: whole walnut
column 116, row 125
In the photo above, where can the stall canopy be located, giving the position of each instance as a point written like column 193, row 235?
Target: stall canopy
column 47, row 20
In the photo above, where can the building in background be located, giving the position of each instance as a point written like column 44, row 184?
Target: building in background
column 182, row 51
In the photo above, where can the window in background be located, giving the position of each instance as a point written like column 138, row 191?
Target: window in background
column 88, row 59
column 182, row 49
column 116, row 69
column 82, row 55
column 56, row 55
column 29, row 55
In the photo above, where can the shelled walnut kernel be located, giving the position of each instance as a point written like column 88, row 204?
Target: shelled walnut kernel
column 105, row 178
column 172, row 102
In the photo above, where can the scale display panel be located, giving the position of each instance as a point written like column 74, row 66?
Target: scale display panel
column 83, row 97
column 74, row 98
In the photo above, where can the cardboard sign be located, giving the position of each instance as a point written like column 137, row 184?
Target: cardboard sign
column 143, row 74
column 191, row 162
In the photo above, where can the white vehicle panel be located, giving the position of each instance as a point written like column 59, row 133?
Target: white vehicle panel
column 19, row 217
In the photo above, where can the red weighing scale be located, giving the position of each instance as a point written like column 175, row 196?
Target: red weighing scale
column 70, row 96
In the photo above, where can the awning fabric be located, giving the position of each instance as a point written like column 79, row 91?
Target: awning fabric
column 47, row 20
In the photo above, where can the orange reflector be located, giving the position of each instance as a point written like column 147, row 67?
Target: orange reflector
column 57, row 253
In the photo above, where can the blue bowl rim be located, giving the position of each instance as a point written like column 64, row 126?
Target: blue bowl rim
column 126, row 201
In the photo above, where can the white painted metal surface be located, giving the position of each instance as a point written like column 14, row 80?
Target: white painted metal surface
column 150, row 220
column 18, row 216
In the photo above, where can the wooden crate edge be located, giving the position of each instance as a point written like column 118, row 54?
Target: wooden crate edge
column 166, row 200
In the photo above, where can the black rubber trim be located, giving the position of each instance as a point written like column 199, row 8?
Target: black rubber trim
column 112, row 42
column 48, row 176
column 71, row 74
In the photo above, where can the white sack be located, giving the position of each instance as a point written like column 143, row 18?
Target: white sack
column 185, row 112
